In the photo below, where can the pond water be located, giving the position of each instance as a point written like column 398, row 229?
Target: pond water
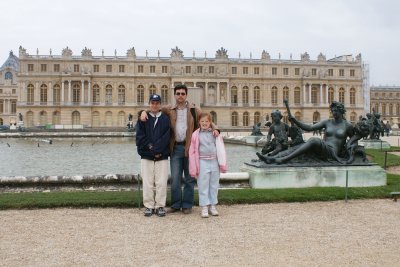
column 86, row 156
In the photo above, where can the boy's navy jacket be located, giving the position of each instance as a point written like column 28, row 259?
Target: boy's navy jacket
column 152, row 140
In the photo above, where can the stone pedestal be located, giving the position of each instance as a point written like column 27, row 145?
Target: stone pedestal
column 280, row 176
column 374, row 144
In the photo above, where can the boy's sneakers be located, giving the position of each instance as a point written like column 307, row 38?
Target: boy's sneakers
column 204, row 212
column 161, row 212
column 148, row 212
column 213, row 210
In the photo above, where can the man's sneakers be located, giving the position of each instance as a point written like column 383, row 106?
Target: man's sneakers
column 187, row 210
column 159, row 211
column 148, row 212
column 204, row 212
column 213, row 210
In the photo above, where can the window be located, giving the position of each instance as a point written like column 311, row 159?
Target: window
column 43, row 94
column 297, row 71
column 13, row 106
column 56, row 67
column 285, row 71
column 314, row 95
column 1, row 106
column 245, row 70
column 214, row 117
column 297, row 96
column 121, row 95
column 234, row 96
column 164, row 94
column 331, row 93
column 76, row 67
column 14, row 91
column 1, row 91
column 96, row 94
column 274, row 71
column 121, row 68
column 164, row 69
column 330, row 72
column 257, row 117
column 256, row 70
column 245, row 96
column 383, row 109
column 390, row 109
column 43, row 67
column 188, row 69
column 285, row 93
column 152, row 69
column 341, row 72
column 245, row 118
column 76, row 118
column 234, row 70
column 56, row 94
column 211, row 69
column 76, row 93
column 352, row 96
column 108, row 68
column 257, row 96
column 234, row 119
column 30, row 94
column 313, row 72
column 108, row 94
column 140, row 95
column 140, row 68
column 199, row 69
column 352, row 73
column 8, row 76
column 30, row 67
column 96, row 68
column 274, row 95
column 152, row 90
column 341, row 95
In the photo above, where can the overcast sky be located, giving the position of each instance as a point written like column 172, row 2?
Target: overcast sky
column 333, row 27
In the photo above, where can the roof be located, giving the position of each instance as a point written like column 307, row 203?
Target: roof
column 12, row 62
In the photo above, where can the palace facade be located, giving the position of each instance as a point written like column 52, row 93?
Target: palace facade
column 8, row 90
column 101, row 91
column 386, row 101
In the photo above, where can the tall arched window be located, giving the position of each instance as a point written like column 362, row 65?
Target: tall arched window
column 43, row 118
column 234, row 119
column 1, row 106
column 96, row 94
column 245, row 95
column 214, row 117
column 390, row 109
column 109, row 92
column 353, row 117
column 297, row 115
column 76, row 118
column 245, row 118
column 76, row 93
column 352, row 96
column 316, row 116
column 29, row 119
column 109, row 120
column 314, row 95
column 8, row 76
column 257, row 117
column 56, row 94
column 140, row 95
column 121, row 119
column 56, row 118
column 274, row 95
column 121, row 95
column 341, row 95
column 95, row 119
column 152, row 90
column 398, row 109
column 331, row 93
column 30, row 97
column 43, row 94
column 165, row 94
column 257, row 96
column 234, row 96
column 297, row 96
column 285, row 94
column 383, row 109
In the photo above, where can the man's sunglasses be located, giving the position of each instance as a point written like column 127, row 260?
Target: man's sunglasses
column 179, row 93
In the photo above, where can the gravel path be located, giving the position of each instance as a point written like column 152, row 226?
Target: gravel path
column 357, row 233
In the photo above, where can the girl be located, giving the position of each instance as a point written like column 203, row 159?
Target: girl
column 207, row 157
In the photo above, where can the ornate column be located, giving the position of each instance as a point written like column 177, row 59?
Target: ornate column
column 36, row 100
column 206, row 93
column 50, row 95
column 309, row 93
column 218, row 94
column 89, row 91
column 326, row 93
column 62, row 92
column 304, row 94
column 69, row 93
column 228, row 93
column 320, row 93
column 83, row 92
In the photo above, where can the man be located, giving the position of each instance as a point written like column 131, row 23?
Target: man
column 184, row 121
column 152, row 141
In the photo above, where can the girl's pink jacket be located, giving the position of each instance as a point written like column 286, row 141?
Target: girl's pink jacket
column 194, row 156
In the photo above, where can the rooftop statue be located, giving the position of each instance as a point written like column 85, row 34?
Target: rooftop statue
column 338, row 146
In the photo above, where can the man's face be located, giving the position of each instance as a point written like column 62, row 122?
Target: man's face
column 155, row 106
column 180, row 96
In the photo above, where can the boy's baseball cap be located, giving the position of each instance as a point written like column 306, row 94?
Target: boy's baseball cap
column 155, row 97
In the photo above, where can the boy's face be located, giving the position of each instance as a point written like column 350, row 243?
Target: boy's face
column 155, row 106
column 204, row 123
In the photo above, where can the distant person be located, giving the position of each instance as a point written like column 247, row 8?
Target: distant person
column 207, row 157
column 152, row 141
column 388, row 128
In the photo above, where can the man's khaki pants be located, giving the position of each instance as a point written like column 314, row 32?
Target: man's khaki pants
column 155, row 178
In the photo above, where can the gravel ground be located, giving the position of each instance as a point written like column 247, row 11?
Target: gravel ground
column 357, row 233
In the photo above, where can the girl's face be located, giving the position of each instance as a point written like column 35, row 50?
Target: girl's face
column 204, row 123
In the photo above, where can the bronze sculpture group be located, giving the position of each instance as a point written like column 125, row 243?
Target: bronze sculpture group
column 338, row 146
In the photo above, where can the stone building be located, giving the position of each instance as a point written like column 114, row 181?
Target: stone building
column 85, row 90
column 386, row 101
column 8, row 90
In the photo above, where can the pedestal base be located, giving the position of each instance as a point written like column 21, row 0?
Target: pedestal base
column 374, row 144
column 301, row 177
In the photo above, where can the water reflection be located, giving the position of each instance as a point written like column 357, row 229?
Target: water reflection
column 85, row 156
